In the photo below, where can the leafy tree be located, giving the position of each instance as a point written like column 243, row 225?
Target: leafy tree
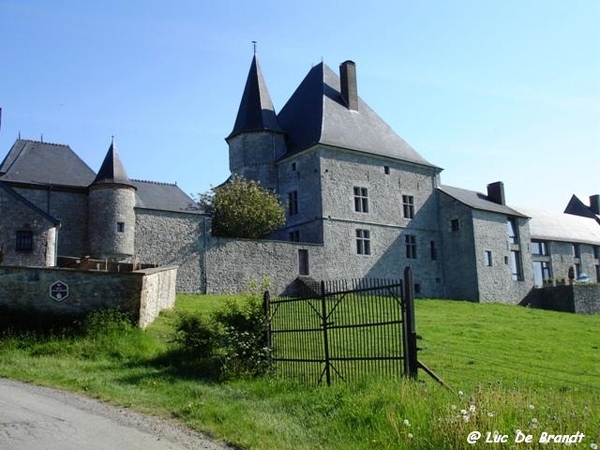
column 243, row 209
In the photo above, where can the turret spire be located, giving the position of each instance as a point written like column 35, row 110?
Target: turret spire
column 112, row 170
column 256, row 112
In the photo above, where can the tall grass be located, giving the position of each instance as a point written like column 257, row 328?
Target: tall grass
column 511, row 368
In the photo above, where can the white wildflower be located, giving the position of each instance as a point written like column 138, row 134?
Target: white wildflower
column 406, row 423
column 410, row 435
column 472, row 408
column 466, row 417
column 531, row 407
column 461, row 393
column 594, row 446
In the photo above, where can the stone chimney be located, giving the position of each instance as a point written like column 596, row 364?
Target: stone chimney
column 595, row 203
column 348, row 84
column 495, row 192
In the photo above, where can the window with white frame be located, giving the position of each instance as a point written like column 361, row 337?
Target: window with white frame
column 361, row 199
column 363, row 242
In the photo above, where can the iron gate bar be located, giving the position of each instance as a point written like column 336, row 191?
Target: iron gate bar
column 375, row 345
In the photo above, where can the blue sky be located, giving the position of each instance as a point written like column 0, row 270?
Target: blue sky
column 488, row 90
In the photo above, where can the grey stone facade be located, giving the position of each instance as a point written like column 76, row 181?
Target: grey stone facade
column 169, row 238
column 143, row 293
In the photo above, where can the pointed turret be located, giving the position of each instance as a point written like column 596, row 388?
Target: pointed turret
column 112, row 170
column 257, row 140
column 256, row 111
column 111, row 215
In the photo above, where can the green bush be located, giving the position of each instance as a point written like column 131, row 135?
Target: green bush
column 232, row 338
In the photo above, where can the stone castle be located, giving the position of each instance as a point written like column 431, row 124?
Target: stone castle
column 360, row 202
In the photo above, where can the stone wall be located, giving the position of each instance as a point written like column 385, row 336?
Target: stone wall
column 169, row 238
column 578, row 298
column 143, row 293
column 70, row 206
column 233, row 264
column 17, row 216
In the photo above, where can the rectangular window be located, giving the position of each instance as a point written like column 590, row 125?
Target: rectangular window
column 576, row 251
column 294, row 167
column 24, row 241
column 293, row 203
column 596, row 252
column 361, row 199
column 577, row 270
column 295, row 236
column 541, row 273
column 386, row 170
column 121, row 227
column 597, row 273
column 488, row 258
column 433, row 250
column 408, row 206
column 411, row 246
column 539, row 248
column 454, row 225
column 516, row 265
column 363, row 242
column 511, row 226
column 303, row 268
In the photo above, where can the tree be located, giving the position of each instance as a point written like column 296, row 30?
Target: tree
column 243, row 209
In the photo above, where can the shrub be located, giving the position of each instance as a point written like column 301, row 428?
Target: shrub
column 231, row 338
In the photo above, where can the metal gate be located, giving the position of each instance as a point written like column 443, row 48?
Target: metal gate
column 342, row 330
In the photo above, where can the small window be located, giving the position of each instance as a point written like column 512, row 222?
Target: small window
column 511, row 226
column 24, row 241
column 294, row 166
column 293, row 203
column 539, row 248
column 361, row 199
column 488, row 258
column 121, row 227
column 596, row 252
column 303, row 267
column 454, row 225
column 433, row 250
column 295, row 236
column 576, row 251
column 408, row 206
column 516, row 265
column 363, row 242
column 411, row 246
column 386, row 170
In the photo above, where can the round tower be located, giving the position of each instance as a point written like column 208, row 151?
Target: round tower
column 257, row 140
column 111, row 215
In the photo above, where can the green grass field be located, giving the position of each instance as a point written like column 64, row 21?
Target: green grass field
column 511, row 368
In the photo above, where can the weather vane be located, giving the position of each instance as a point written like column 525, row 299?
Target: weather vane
column 254, row 45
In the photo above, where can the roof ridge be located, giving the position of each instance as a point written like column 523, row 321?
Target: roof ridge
column 163, row 183
column 43, row 142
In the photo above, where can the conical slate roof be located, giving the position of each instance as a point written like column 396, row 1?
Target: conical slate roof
column 256, row 112
column 317, row 114
column 112, row 170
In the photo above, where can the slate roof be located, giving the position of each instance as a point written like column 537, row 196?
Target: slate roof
column 10, row 191
column 256, row 111
column 578, row 208
column 317, row 114
column 555, row 226
column 163, row 197
column 477, row 200
column 45, row 163
column 112, row 170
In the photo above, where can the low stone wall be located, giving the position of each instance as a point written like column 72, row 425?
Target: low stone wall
column 579, row 298
column 59, row 291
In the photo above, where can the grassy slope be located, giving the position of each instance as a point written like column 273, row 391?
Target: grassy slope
column 518, row 368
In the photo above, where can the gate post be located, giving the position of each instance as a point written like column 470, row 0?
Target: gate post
column 267, row 316
column 409, row 327
column 325, row 334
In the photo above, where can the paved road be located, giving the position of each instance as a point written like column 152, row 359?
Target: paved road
column 37, row 418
